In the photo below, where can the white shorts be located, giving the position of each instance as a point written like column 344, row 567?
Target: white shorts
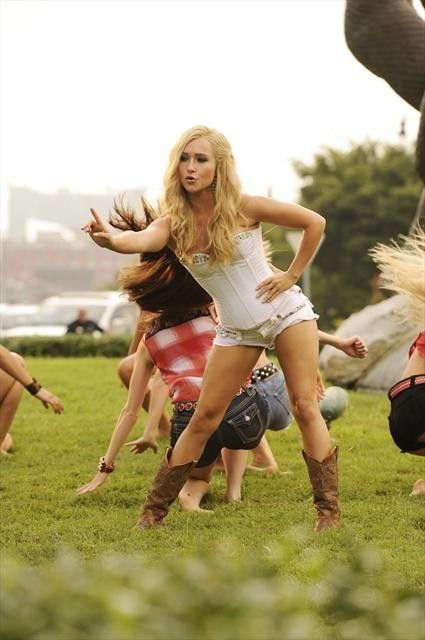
column 264, row 334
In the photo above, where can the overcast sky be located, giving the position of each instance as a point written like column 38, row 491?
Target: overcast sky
column 95, row 93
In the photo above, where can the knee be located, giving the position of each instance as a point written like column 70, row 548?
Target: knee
column 18, row 358
column 125, row 369
column 205, row 420
column 304, row 408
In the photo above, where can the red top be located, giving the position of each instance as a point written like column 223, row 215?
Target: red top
column 419, row 344
column 181, row 353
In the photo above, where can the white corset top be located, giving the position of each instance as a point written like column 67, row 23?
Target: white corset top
column 232, row 286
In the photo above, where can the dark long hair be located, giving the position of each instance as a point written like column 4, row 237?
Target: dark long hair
column 159, row 284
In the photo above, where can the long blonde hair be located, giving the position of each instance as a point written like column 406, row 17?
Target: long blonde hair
column 403, row 271
column 227, row 215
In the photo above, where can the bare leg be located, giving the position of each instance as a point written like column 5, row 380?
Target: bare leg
column 234, row 465
column 125, row 369
column 10, row 396
column 297, row 349
column 263, row 458
column 226, row 371
column 219, row 466
column 195, row 488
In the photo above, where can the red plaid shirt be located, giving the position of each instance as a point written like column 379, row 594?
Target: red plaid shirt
column 181, row 353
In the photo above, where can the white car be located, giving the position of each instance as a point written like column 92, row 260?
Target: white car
column 109, row 309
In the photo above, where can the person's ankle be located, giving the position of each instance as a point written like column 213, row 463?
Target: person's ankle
column 233, row 495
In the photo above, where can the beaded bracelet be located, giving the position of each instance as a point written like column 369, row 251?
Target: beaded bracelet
column 103, row 467
column 33, row 387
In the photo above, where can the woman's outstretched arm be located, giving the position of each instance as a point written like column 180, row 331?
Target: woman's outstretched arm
column 153, row 238
column 158, row 398
column 142, row 372
column 11, row 366
column 353, row 346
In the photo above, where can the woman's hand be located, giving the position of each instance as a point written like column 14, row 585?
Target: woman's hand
column 277, row 283
column 48, row 399
column 354, row 346
column 142, row 444
column 94, row 484
column 99, row 231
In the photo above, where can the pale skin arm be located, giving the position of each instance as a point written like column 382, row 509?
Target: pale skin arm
column 154, row 238
column 159, row 395
column 11, row 366
column 353, row 346
column 142, row 372
column 258, row 209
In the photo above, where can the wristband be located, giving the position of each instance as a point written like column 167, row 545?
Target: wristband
column 103, row 467
column 33, row 387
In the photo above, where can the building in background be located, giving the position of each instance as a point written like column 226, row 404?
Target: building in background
column 45, row 253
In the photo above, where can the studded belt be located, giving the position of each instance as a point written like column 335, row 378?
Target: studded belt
column 185, row 406
column 263, row 372
column 405, row 384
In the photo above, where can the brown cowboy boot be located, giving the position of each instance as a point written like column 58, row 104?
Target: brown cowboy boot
column 164, row 490
column 324, row 480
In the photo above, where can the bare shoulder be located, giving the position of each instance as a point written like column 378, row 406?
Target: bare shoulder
column 249, row 210
column 163, row 222
column 161, row 227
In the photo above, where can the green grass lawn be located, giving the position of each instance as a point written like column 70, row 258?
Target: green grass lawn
column 53, row 455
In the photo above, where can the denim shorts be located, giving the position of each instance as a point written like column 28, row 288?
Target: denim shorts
column 242, row 426
column 273, row 391
column 265, row 334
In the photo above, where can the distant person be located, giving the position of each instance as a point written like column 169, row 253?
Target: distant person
column 13, row 379
column 83, row 324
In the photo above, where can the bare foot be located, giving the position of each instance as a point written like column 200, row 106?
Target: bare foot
column 191, row 495
column 188, row 504
column 265, row 468
column 7, row 443
column 418, row 488
column 233, row 496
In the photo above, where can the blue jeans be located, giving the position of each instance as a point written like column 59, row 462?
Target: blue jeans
column 242, row 426
column 275, row 396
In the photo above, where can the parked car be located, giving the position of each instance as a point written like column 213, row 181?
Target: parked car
column 15, row 315
column 109, row 309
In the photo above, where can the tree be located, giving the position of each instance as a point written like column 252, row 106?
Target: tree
column 367, row 194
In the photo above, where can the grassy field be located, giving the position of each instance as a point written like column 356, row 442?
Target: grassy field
column 53, row 455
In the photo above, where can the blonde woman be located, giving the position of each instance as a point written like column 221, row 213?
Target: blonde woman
column 215, row 231
column 403, row 271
